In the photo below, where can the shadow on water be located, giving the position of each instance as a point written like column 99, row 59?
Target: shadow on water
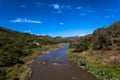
column 56, row 66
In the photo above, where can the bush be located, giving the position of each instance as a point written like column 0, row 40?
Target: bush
column 8, row 59
column 101, row 42
column 2, row 74
column 82, row 63
column 81, row 47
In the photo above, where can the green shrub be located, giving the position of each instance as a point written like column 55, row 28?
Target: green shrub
column 2, row 74
column 82, row 63
column 7, row 59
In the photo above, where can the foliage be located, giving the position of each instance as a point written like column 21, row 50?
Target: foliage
column 101, row 39
column 102, row 70
column 7, row 59
column 16, row 46
column 2, row 74
column 99, row 53
column 83, row 45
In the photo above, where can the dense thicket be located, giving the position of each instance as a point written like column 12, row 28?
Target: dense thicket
column 101, row 39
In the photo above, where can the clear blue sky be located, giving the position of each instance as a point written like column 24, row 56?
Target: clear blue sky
column 58, row 17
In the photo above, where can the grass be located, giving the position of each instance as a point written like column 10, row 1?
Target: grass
column 13, row 72
column 26, row 74
column 97, row 63
column 17, row 72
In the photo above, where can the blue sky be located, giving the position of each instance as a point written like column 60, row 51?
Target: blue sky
column 58, row 17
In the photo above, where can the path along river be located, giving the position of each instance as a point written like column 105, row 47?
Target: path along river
column 56, row 66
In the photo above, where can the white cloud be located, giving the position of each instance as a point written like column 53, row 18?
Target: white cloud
column 23, row 6
column 59, row 11
column 79, row 7
column 55, row 6
column 82, row 14
column 25, row 20
column 83, row 34
column 109, row 16
column 61, row 23
column 113, row 10
column 39, row 4
column 68, row 7
column 58, row 7
column 91, row 11
column 28, row 31
column 16, row 20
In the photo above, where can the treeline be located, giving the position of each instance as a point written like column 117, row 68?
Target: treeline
column 15, row 45
column 101, row 39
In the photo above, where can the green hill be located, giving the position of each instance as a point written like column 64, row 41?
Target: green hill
column 99, row 52
column 15, row 47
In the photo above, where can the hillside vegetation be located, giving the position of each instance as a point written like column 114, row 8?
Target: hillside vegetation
column 99, row 52
column 16, row 47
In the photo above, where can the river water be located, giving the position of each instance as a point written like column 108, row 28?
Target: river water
column 56, row 66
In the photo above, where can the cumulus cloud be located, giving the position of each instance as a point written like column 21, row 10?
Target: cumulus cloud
column 55, row 6
column 25, row 20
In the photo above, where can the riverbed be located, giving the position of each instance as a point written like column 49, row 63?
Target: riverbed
column 56, row 66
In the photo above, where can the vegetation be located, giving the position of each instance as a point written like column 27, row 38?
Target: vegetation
column 99, row 52
column 17, row 48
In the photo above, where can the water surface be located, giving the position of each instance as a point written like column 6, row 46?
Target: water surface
column 56, row 66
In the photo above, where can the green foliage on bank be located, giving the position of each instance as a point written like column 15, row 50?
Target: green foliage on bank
column 101, row 39
column 16, row 46
column 99, row 52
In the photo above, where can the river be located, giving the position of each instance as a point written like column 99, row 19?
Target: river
column 56, row 66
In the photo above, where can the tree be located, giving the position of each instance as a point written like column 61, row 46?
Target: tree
column 8, row 59
column 83, row 44
column 3, row 74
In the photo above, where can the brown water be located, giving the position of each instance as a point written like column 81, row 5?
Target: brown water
column 56, row 66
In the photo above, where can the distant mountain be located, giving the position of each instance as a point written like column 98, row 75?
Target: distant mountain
column 73, row 38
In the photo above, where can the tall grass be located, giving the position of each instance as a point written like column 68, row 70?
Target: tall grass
column 98, row 64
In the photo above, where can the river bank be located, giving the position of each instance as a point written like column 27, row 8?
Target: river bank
column 98, row 64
